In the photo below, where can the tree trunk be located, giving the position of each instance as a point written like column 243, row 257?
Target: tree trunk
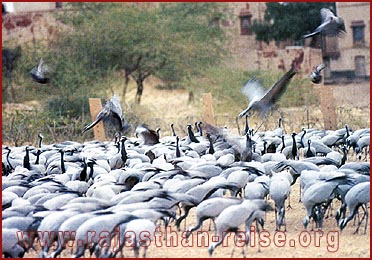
column 139, row 90
column 11, row 89
column 125, row 86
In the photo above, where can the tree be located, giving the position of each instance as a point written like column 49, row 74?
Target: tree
column 170, row 41
column 289, row 21
column 10, row 59
column 196, row 42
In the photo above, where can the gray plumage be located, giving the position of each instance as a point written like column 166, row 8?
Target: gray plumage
column 58, row 201
column 232, row 217
column 352, row 140
column 148, row 136
column 279, row 190
column 295, row 167
column 106, row 222
column 203, row 192
column 110, row 111
column 211, row 208
column 357, row 196
column 50, row 224
column 140, row 233
column 10, row 243
column 320, row 147
column 262, row 102
column 258, row 189
column 362, row 142
column 309, row 151
column 359, row 167
column 68, row 231
column 38, row 73
column 319, row 193
column 331, row 25
column 240, row 179
column 315, row 75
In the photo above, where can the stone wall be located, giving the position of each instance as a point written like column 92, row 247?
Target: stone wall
column 20, row 28
column 246, row 52
column 33, row 6
column 353, row 12
column 249, row 54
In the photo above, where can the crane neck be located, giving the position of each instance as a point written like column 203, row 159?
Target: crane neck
column 211, row 148
column 178, row 152
column 283, row 144
column 83, row 173
column 7, row 159
column 63, row 168
column 248, row 146
column 26, row 160
column 294, row 146
column 37, row 161
column 40, row 141
column 191, row 134
column 123, row 151
column 246, row 129
column 172, row 129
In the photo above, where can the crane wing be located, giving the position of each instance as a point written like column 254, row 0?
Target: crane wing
column 41, row 68
column 114, row 105
column 326, row 14
column 253, row 90
column 278, row 89
column 101, row 115
column 117, row 113
column 320, row 67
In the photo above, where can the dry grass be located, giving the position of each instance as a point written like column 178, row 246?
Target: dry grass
column 159, row 108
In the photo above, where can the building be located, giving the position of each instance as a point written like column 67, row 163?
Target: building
column 25, row 22
column 247, row 53
column 353, row 61
column 17, row 7
column 346, row 58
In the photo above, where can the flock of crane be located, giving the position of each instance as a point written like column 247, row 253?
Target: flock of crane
column 53, row 194
column 139, row 183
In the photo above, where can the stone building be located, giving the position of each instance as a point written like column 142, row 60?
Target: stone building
column 17, row 7
column 347, row 58
column 353, row 60
column 247, row 53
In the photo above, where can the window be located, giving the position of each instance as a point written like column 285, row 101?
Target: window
column 215, row 22
column 245, row 21
column 358, row 33
column 360, row 66
column 245, row 25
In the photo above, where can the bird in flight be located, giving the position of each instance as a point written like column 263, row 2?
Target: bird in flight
column 315, row 75
column 110, row 111
column 260, row 101
column 331, row 25
column 38, row 73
